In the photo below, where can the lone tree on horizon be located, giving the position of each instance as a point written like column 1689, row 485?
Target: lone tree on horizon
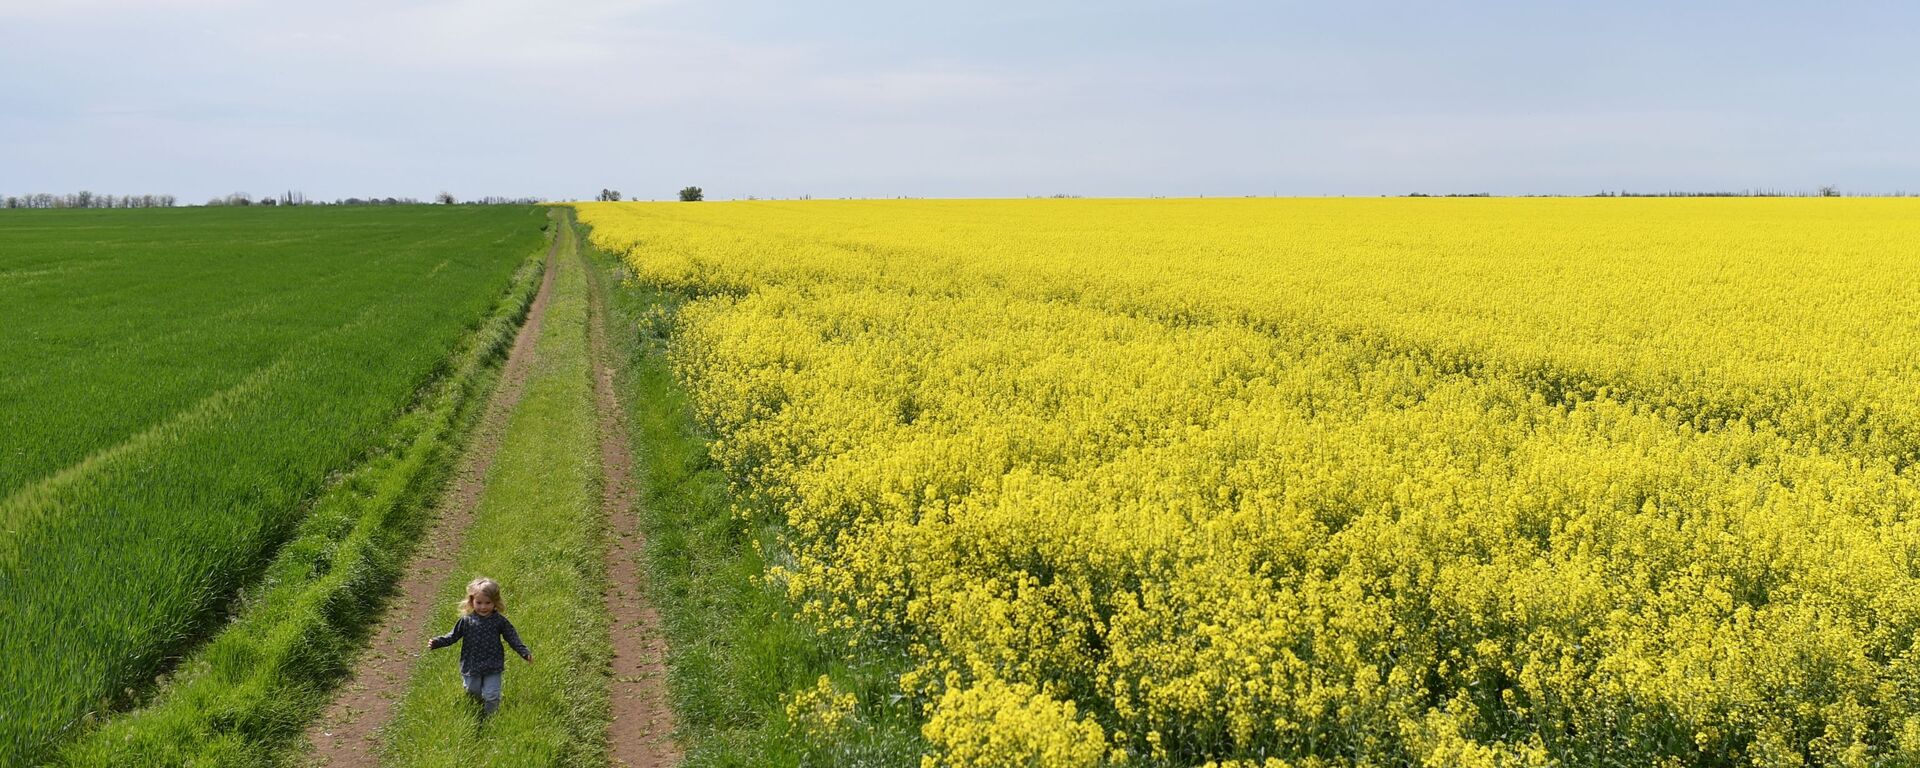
column 691, row 195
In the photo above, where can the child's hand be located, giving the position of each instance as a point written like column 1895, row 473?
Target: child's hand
column 529, row 658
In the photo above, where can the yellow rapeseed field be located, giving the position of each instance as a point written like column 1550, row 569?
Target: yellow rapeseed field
column 1332, row 482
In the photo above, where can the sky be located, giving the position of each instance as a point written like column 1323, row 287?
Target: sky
column 201, row 98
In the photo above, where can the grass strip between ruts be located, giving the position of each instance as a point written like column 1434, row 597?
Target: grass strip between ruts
column 538, row 531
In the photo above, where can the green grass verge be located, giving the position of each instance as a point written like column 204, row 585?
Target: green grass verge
column 539, row 531
column 735, row 653
column 247, row 693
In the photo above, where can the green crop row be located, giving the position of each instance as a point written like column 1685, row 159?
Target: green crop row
column 118, row 320
column 181, row 406
column 239, row 698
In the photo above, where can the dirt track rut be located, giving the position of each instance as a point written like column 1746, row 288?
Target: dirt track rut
column 640, row 732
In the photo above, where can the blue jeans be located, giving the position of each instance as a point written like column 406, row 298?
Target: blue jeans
column 486, row 688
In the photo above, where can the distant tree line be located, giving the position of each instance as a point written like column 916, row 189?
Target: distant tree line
column 496, row 200
column 443, row 198
column 84, row 199
column 379, row 201
column 296, row 198
column 1824, row 191
column 687, row 195
column 242, row 199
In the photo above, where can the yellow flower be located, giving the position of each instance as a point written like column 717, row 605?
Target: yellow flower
column 1328, row 482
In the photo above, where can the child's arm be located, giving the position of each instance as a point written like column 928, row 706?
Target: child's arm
column 513, row 639
column 459, row 629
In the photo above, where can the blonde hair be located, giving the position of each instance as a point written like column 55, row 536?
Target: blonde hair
column 482, row 586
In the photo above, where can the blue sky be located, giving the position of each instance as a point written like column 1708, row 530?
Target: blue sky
column 1002, row 99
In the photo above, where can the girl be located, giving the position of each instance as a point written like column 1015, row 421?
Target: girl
column 482, row 625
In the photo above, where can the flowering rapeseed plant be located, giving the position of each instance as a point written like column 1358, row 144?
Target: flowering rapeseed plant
column 1332, row 482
